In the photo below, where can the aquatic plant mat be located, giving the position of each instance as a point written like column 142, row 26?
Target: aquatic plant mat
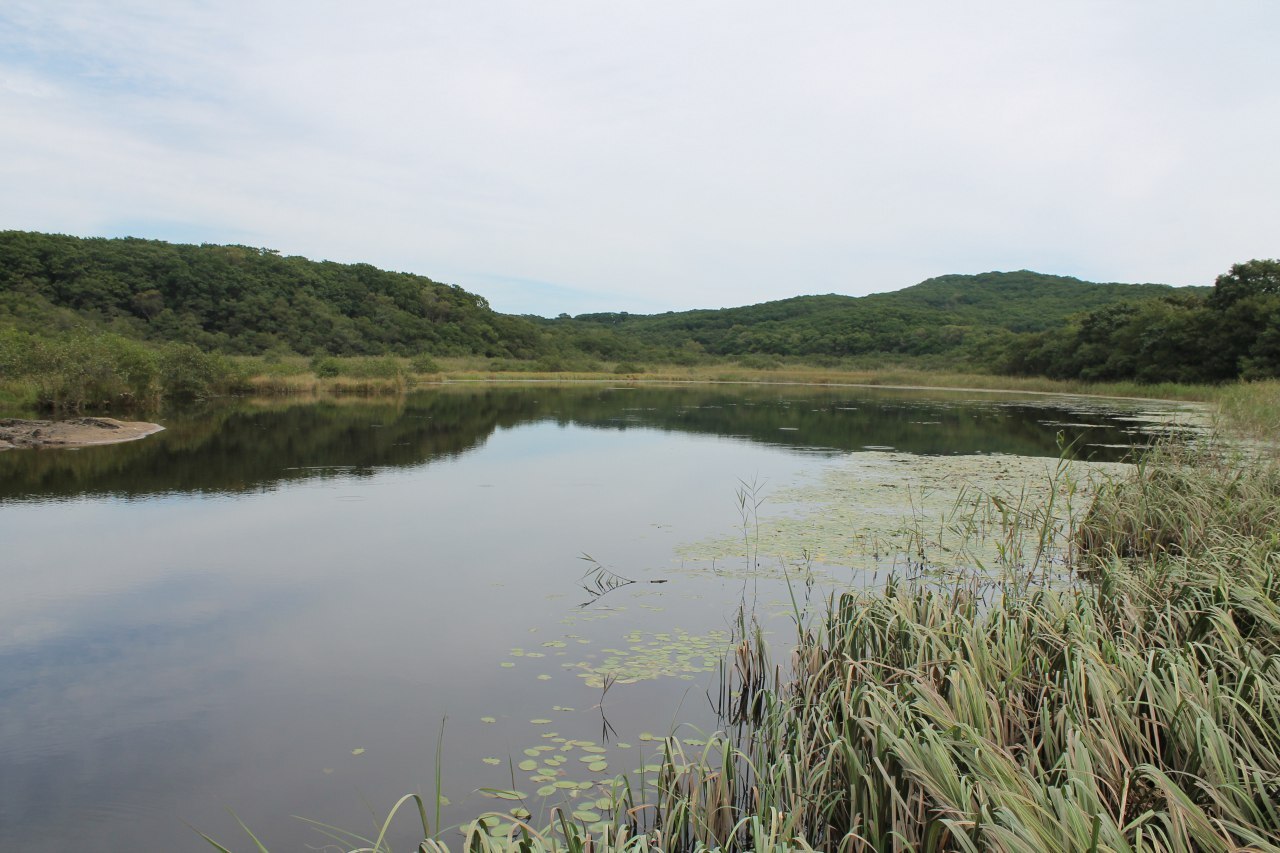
column 1069, row 663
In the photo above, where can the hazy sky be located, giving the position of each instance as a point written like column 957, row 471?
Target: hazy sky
column 648, row 156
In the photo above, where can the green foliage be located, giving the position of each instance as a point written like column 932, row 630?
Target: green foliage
column 424, row 363
column 238, row 299
column 1245, row 281
column 326, row 366
column 961, row 318
column 187, row 373
column 88, row 370
column 1187, row 337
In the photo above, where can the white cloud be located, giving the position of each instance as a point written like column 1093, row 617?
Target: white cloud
column 661, row 155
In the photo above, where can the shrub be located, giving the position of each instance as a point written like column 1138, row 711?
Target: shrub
column 424, row 363
column 325, row 366
column 191, row 374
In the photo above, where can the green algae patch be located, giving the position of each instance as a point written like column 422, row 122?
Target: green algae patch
column 882, row 511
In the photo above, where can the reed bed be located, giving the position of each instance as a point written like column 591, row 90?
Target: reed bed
column 1139, row 710
column 296, row 374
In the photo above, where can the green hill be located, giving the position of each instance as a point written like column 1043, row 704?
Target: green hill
column 937, row 316
column 238, row 299
column 241, row 300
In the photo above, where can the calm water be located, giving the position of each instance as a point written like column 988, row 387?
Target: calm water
column 271, row 608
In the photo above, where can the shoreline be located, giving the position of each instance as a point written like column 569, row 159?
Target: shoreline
column 18, row 433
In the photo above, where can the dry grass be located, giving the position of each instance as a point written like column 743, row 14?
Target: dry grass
column 294, row 375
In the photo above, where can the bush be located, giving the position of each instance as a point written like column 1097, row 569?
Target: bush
column 191, row 374
column 325, row 366
column 424, row 363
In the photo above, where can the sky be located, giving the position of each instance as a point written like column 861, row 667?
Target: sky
column 625, row 156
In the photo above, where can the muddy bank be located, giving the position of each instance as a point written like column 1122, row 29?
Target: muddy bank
column 78, row 432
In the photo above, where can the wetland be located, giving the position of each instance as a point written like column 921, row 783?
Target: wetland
column 272, row 607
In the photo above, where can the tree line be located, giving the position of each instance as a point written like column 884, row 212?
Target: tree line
column 1231, row 332
column 88, row 298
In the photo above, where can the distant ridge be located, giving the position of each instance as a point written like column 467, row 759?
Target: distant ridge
column 244, row 300
column 927, row 318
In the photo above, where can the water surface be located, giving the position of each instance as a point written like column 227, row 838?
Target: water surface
column 271, row 607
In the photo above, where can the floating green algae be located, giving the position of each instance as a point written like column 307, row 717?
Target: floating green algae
column 874, row 510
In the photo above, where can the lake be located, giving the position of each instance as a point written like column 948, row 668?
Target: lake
column 272, row 607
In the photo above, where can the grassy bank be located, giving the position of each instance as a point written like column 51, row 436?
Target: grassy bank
column 1136, row 708
column 390, row 375
column 75, row 372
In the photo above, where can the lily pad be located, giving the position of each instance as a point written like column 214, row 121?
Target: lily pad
column 501, row 793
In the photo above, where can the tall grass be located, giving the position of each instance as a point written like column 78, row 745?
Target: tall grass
column 1251, row 408
column 1139, row 710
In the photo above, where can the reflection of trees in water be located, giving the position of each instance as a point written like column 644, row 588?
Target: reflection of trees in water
column 245, row 446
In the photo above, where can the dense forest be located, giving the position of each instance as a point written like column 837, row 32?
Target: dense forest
column 154, row 312
column 240, row 300
column 1231, row 332
column 957, row 314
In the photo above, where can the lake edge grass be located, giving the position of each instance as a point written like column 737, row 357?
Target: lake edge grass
column 295, row 376
column 110, row 374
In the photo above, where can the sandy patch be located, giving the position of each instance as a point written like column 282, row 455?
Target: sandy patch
column 79, row 432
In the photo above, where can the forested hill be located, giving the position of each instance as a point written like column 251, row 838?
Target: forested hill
column 936, row 316
column 238, row 299
column 241, row 300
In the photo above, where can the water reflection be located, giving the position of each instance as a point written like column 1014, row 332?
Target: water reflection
column 220, row 615
column 255, row 445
